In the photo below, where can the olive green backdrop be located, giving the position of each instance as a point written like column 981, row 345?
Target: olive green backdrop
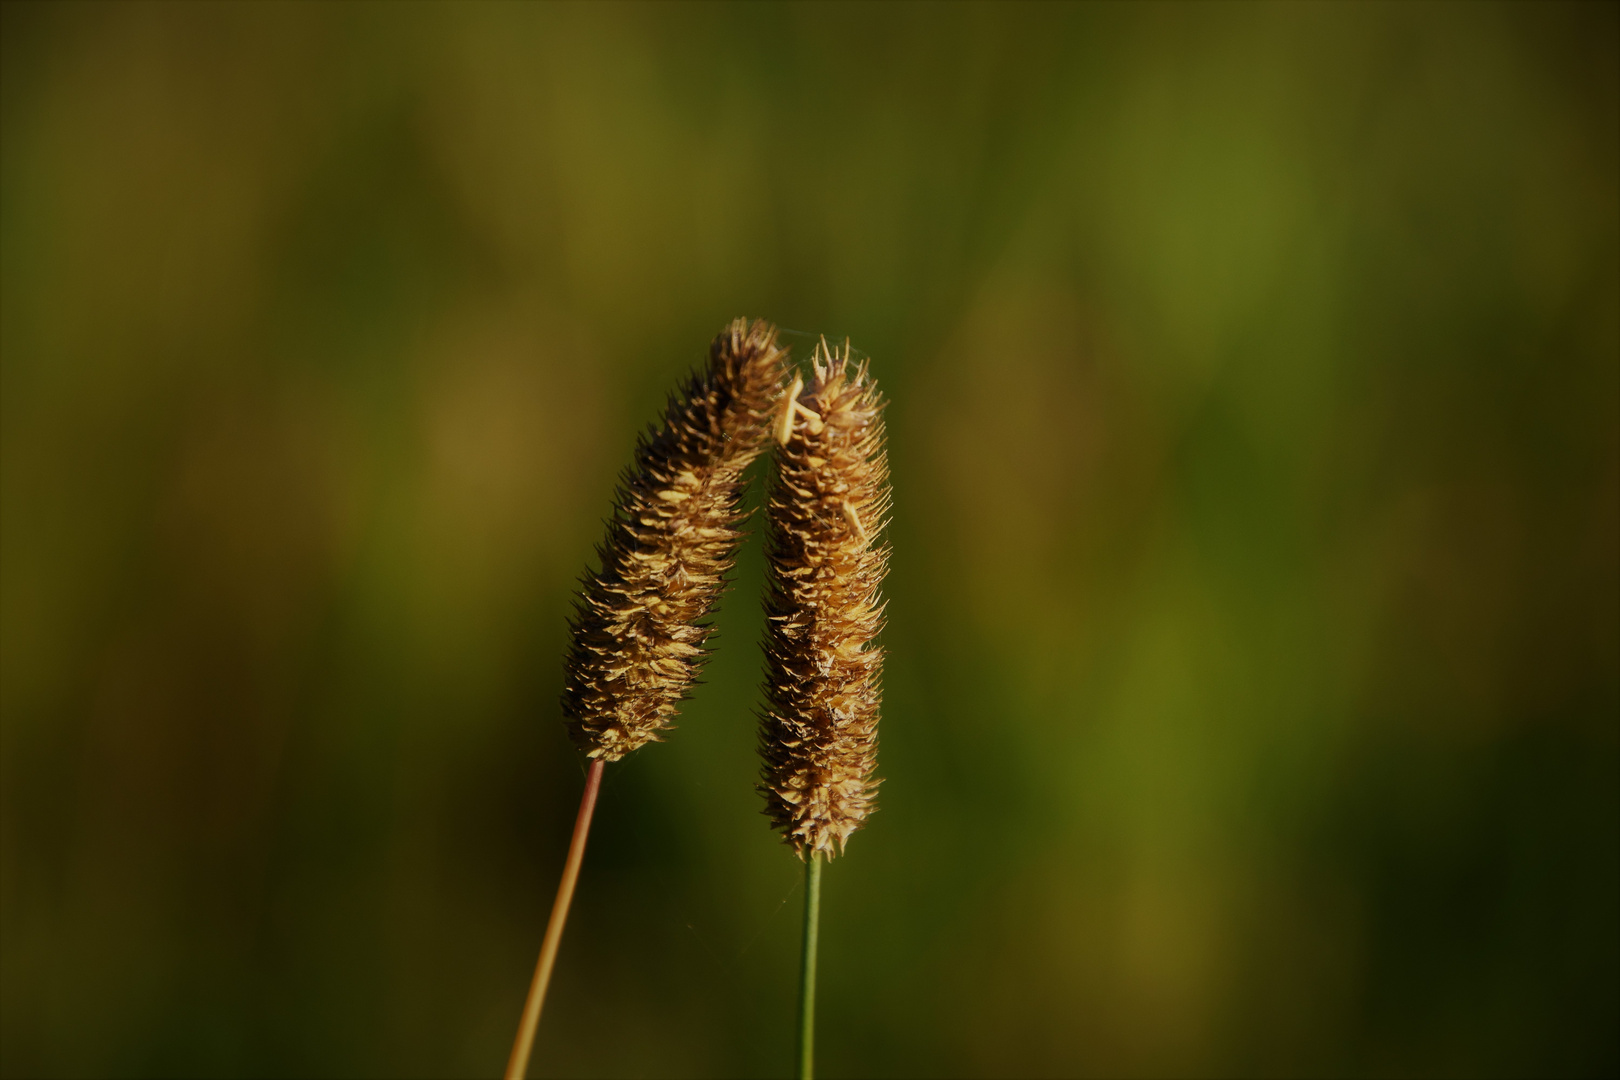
column 1253, row 686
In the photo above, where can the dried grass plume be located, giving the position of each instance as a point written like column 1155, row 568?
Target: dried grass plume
column 828, row 505
column 638, row 635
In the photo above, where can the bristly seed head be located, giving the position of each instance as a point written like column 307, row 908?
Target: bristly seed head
column 828, row 505
column 638, row 641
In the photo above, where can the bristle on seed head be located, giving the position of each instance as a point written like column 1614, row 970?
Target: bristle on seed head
column 828, row 506
column 638, row 632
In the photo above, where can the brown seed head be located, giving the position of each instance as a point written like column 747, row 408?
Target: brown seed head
column 638, row 635
column 827, row 507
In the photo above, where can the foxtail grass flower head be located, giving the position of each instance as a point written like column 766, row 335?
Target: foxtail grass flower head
column 638, row 629
column 828, row 506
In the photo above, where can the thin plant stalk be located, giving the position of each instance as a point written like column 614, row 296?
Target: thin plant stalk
column 807, row 977
column 518, row 1065
column 825, row 559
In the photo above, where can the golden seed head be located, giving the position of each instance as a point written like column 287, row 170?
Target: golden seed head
column 638, row 641
column 828, row 506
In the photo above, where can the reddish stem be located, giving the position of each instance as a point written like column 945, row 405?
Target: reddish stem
column 518, row 1066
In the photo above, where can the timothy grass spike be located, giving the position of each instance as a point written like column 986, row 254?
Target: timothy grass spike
column 638, row 631
column 828, row 505
column 638, row 639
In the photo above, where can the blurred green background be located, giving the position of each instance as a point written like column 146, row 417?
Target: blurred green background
column 1253, row 694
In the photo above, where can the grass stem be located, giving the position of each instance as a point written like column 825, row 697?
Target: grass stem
column 807, row 980
column 518, row 1065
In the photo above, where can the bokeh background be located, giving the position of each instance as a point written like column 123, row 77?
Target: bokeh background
column 1253, row 693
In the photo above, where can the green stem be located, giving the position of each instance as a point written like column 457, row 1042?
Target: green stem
column 807, row 980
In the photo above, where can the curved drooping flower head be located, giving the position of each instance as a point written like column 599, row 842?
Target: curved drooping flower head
column 638, row 630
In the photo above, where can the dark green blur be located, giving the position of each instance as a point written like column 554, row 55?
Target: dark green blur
column 1253, row 685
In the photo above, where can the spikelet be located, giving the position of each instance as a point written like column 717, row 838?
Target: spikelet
column 828, row 504
column 638, row 636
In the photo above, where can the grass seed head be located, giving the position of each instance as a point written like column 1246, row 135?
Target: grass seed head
column 828, row 507
column 638, row 631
